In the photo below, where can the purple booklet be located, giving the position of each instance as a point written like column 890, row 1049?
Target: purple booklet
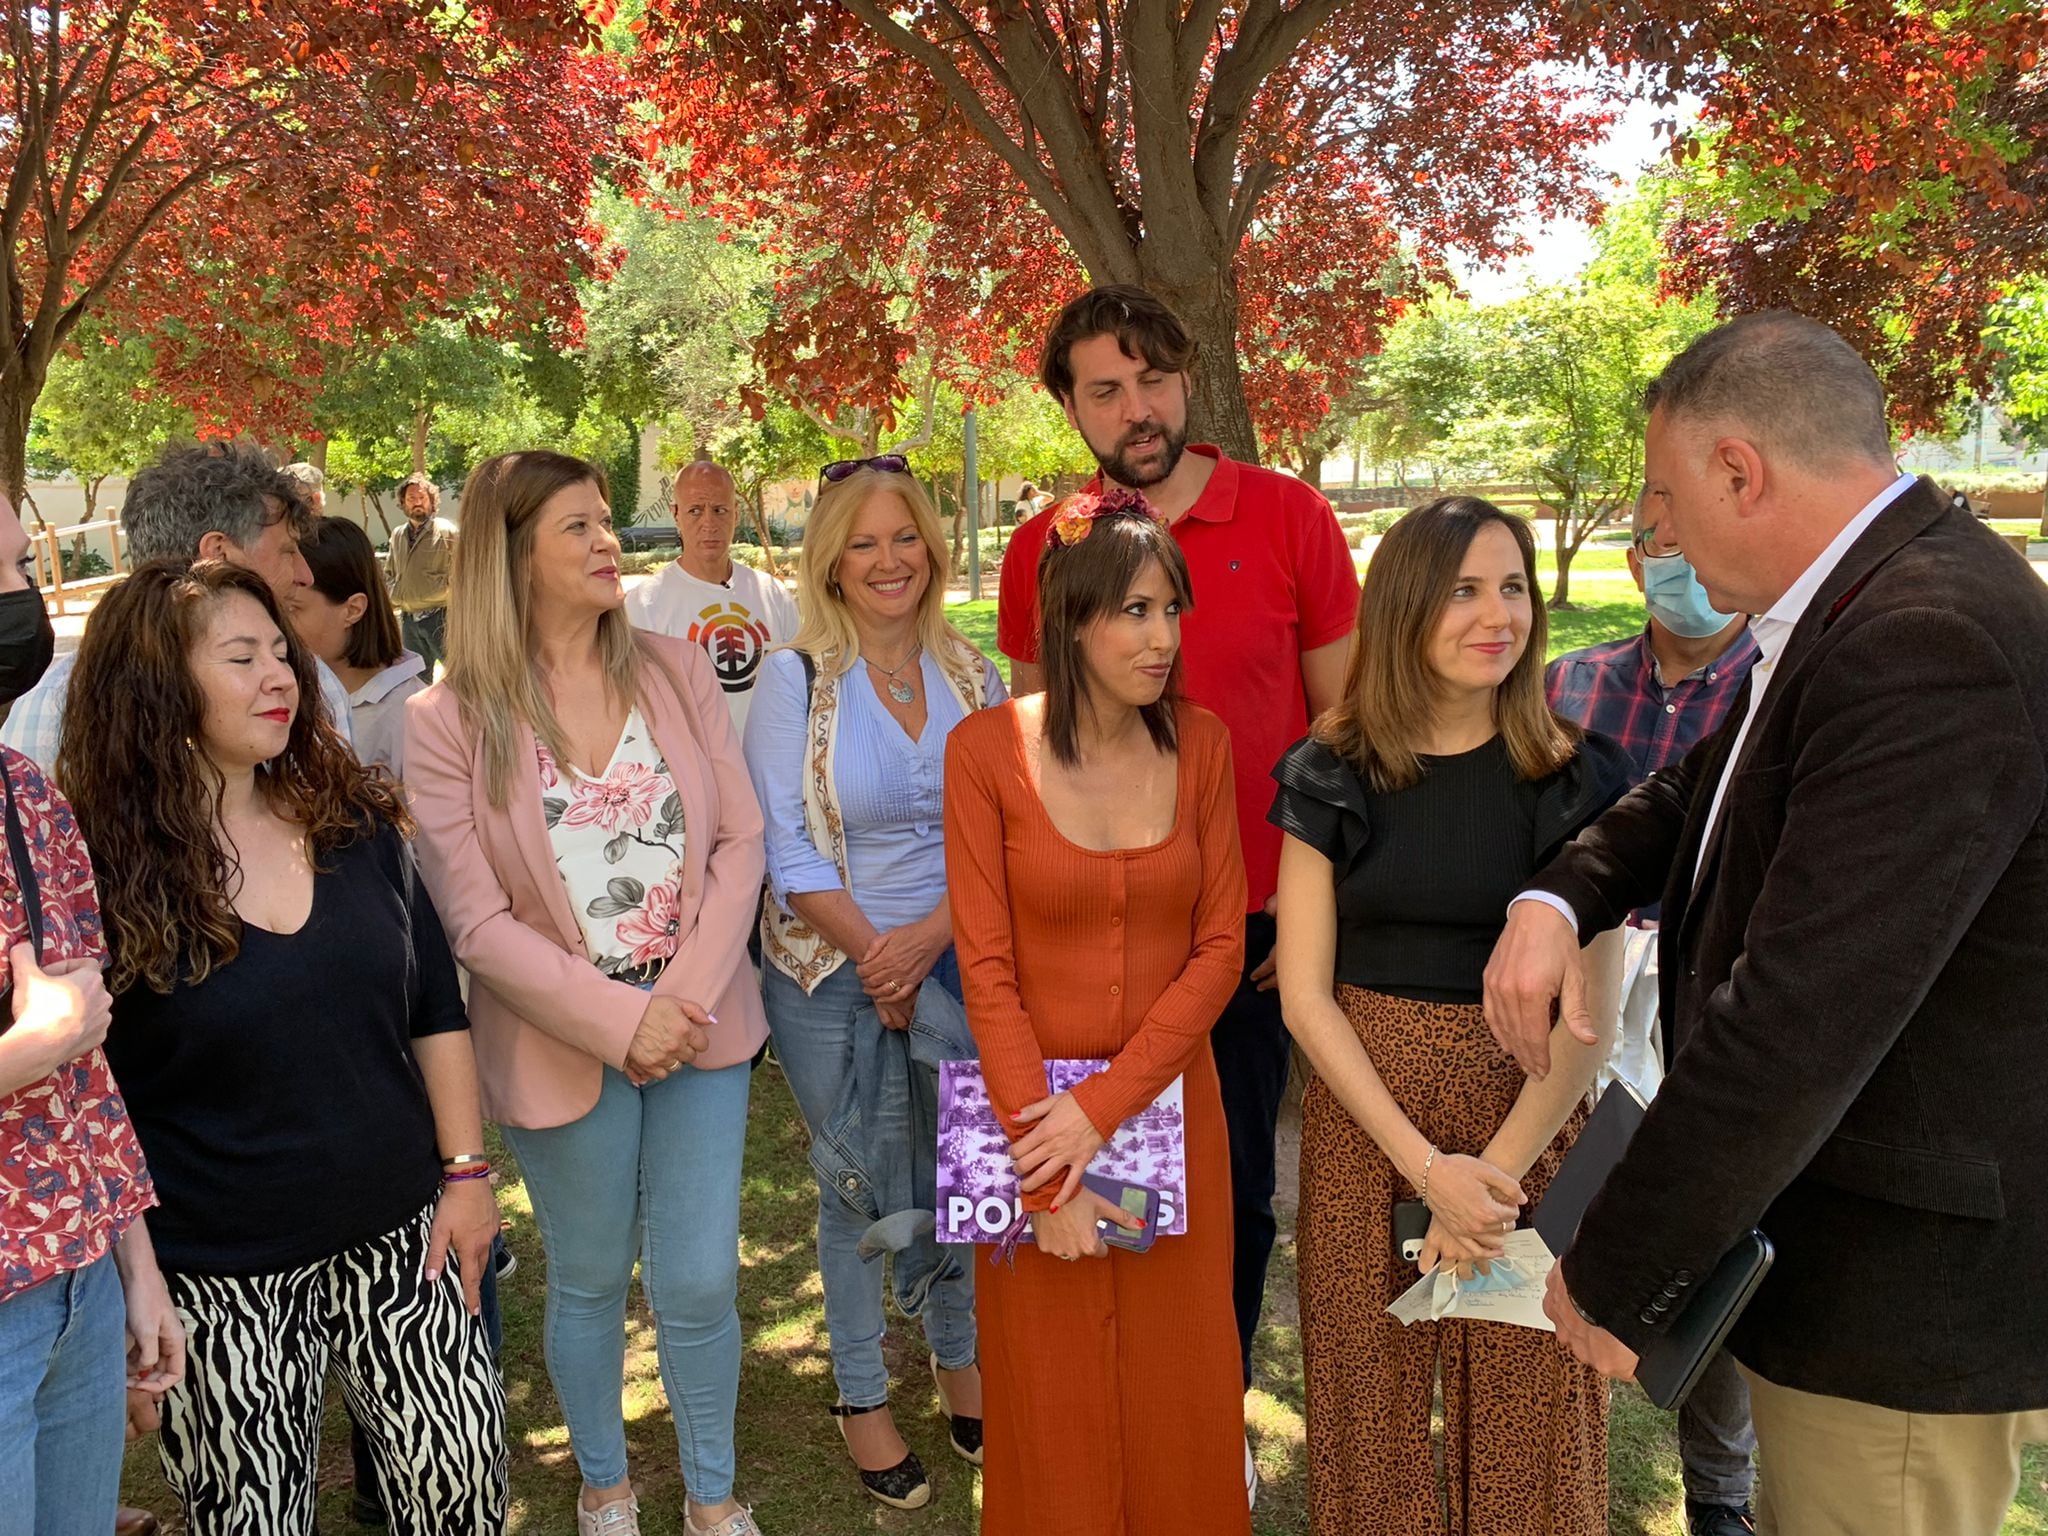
column 977, row 1190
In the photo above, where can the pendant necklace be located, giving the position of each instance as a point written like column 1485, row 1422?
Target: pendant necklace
column 899, row 690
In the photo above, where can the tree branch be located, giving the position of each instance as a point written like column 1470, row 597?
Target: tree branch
column 975, row 110
column 1267, row 35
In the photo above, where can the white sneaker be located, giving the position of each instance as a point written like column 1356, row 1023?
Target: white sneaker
column 1251, row 1476
column 621, row 1517
column 740, row 1524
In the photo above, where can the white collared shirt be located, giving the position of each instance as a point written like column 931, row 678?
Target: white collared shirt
column 1771, row 629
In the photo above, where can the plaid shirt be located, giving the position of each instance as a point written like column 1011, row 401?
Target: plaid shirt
column 1614, row 689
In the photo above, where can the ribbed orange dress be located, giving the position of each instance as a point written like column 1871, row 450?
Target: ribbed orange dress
column 1112, row 1402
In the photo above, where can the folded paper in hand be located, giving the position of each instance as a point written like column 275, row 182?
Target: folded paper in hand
column 1511, row 1293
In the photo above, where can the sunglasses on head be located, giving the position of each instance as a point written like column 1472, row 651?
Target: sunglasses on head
column 881, row 464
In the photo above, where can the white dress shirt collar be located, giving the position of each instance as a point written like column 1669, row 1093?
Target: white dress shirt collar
column 1774, row 627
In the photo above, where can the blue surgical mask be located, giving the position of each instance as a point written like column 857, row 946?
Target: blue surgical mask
column 1676, row 599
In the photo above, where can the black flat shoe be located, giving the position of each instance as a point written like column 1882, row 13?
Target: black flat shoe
column 903, row 1486
column 1719, row 1519
column 966, row 1434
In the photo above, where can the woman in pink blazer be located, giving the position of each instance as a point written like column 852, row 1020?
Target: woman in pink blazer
column 589, row 834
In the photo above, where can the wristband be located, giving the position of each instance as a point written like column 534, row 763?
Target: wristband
column 466, row 1175
column 1427, row 1163
column 466, row 1159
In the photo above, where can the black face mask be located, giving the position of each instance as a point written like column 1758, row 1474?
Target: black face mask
column 27, row 642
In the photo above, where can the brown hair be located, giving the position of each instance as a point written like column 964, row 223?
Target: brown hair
column 1390, row 694
column 1080, row 583
column 344, row 564
column 1142, row 325
column 148, row 799
column 425, row 483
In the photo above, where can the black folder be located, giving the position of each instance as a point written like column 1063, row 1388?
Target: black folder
column 1672, row 1362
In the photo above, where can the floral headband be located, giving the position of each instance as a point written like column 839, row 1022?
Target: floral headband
column 1076, row 516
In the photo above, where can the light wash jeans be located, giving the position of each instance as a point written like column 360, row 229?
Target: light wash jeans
column 63, row 1375
column 651, row 1174
column 813, row 1041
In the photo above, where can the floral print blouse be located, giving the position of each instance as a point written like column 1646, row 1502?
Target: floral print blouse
column 618, row 841
column 72, row 1178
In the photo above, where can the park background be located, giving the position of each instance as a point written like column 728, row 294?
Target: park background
column 1422, row 249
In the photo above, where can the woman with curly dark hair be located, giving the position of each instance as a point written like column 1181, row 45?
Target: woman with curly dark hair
column 292, row 1045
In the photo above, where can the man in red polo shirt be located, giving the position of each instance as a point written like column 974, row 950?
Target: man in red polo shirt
column 1265, row 646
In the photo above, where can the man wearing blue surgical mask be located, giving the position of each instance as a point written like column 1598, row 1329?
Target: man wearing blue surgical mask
column 1657, row 693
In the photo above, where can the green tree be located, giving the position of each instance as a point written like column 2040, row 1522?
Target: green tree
column 100, row 414
column 2019, row 331
column 668, row 337
column 1563, row 400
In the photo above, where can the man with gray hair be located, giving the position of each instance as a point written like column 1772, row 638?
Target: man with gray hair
column 217, row 501
column 310, row 481
column 1855, row 972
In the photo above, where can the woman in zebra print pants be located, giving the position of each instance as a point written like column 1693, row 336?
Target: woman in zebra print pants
column 292, row 1045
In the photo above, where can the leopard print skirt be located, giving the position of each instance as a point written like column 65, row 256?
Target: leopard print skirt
column 1524, row 1435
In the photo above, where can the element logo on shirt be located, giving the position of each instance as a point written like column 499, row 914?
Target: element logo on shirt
column 734, row 640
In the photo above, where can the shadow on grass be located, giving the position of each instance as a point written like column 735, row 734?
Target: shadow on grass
column 792, row 1466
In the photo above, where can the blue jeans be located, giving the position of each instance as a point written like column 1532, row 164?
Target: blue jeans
column 651, row 1174
column 813, row 1041
column 63, row 1374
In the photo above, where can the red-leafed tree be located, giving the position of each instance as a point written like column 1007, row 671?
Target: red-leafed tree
column 260, row 188
column 944, row 172
column 941, row 175
column 1882, row 168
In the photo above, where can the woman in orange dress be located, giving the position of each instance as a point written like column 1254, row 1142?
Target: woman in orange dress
column 1098, row 895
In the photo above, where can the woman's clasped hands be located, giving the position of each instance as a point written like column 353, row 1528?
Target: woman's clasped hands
column 895, row 965
column 671, row 1033
column 1473, row 1207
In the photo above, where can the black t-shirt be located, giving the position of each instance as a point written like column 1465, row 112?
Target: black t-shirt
column 1425, row 874
column 278, row 1102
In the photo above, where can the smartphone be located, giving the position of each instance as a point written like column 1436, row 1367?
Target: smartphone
column 1140, row 1201
column 1411, row 1228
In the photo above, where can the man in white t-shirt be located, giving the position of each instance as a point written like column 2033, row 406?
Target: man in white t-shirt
column 735, row 612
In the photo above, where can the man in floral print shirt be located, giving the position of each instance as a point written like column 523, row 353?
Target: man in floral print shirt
column 79, row 1286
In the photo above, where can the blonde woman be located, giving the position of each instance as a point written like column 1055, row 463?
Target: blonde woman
column 588, row 832
column 846, row 741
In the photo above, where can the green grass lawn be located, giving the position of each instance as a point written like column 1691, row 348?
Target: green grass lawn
column 792, row 1467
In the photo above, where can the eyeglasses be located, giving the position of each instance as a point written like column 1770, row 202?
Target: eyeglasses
column 1652, row 545
column 881, row 464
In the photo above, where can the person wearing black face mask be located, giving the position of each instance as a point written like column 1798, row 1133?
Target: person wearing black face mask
column 79, row 1285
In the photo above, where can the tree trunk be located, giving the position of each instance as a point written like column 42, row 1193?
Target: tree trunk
column 17, row 399
column 1560, row 595
column 1217, row 409
column 1312, row 468
column 953, row 566
column 2044, row 507
column 316, row 454
column 377, row 505
column 92, row 496
column 422, row 422
column 761, row 527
